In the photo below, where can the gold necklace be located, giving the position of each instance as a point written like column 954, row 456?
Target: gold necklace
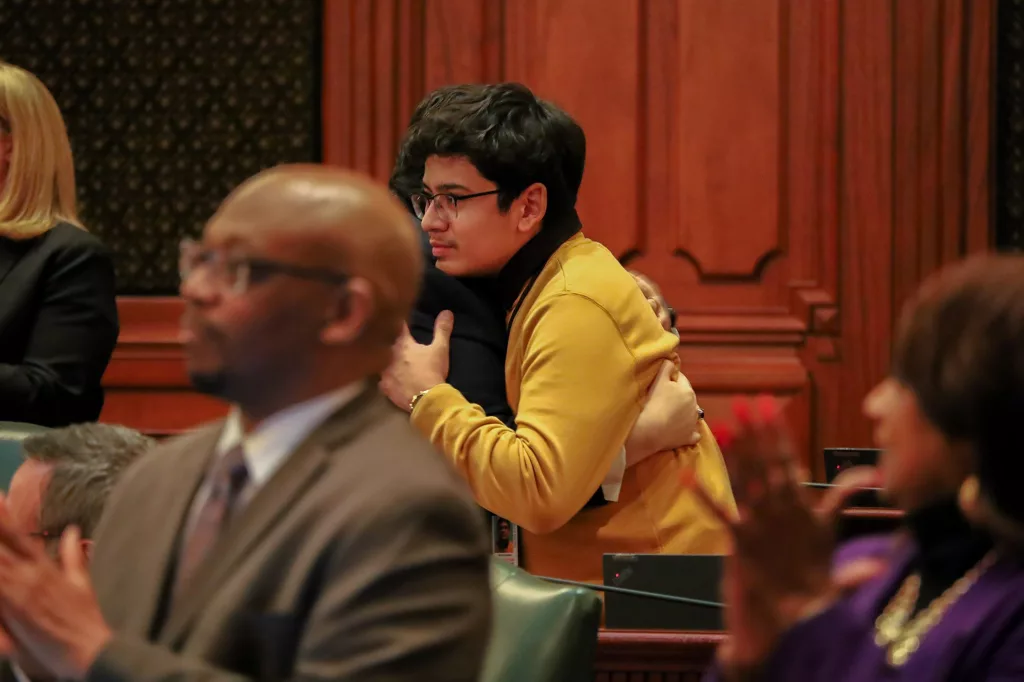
column 901, row 635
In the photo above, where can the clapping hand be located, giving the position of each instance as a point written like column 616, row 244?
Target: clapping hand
column 780, row 569
column 48, row 610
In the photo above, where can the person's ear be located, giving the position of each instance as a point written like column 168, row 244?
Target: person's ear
column 969, row 500
column 532, row 206
column 86, row 546
column 349, row 313
column 981, row 513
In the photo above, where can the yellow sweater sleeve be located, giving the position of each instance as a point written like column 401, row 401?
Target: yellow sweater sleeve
column 578, row 399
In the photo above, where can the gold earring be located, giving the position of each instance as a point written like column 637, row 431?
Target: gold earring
column 970, row 491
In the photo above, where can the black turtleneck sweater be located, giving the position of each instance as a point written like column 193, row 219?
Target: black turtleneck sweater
column 949, row 547
column 480, row 305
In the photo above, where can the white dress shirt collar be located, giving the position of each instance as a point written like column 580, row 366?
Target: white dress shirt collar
column 269, row 445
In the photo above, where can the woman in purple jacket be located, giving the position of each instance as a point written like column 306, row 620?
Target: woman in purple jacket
column 941, row 600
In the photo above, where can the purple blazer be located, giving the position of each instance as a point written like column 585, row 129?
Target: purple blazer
column 980, row 638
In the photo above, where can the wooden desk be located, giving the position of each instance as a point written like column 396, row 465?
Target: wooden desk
column 856, row 522
column 651, row 656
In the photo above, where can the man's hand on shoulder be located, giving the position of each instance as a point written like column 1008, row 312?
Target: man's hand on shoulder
column 661, row 308
column 668, row 420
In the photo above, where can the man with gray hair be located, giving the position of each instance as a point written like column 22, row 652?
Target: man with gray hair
column 65, row 480
column 68, row 474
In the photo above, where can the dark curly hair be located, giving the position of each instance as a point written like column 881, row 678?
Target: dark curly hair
column 509, row 135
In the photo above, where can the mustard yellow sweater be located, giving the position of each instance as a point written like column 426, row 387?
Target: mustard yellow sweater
column 583, row 350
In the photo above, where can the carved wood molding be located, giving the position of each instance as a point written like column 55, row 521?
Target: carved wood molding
column 765, row 216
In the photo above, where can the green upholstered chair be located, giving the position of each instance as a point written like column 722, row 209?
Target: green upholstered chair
column 543, row 632
column 11, row 435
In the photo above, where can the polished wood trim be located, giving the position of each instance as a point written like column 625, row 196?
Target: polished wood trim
column 149, row 319
column 147, row 385
column 880, row 514
column 661, row 650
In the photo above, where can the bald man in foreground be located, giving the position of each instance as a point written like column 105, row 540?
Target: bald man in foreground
column 312, row 535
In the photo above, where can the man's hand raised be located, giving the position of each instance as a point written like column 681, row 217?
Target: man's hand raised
column 418, row 367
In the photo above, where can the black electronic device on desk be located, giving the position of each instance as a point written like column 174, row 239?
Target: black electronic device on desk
column 668, row 580
column 838, row 460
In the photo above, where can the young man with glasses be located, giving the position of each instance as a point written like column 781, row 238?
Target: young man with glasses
column 477, row 341
column 583, row 345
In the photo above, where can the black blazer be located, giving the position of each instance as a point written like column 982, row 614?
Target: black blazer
column 58, row 326
column 477, row 353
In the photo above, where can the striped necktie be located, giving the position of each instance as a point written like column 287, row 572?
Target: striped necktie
column 226, row 482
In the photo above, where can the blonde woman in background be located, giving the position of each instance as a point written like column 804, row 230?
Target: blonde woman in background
column 58, row 315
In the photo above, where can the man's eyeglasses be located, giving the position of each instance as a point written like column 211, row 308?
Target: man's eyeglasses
column 445, row 205
column 45, row 535
column 235, row 273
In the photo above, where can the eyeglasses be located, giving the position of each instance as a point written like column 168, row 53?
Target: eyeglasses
column 45, row 535
column 445, row 205
column 235, row 273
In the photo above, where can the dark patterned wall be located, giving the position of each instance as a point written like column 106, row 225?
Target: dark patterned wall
column 169, row 105
column 1010, row 126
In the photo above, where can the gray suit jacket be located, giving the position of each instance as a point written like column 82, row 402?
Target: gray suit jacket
column 362, row 558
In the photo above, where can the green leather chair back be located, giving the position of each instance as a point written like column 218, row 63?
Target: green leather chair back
column 11, row 435
column 543, row 632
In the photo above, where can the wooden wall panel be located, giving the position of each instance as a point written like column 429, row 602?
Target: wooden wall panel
column 725, row 171
column 146, row 383
column 372, row 71
column 739, row 147
column 865, row 219
column 598, row 81
column 787, row 170
column 462, row 42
